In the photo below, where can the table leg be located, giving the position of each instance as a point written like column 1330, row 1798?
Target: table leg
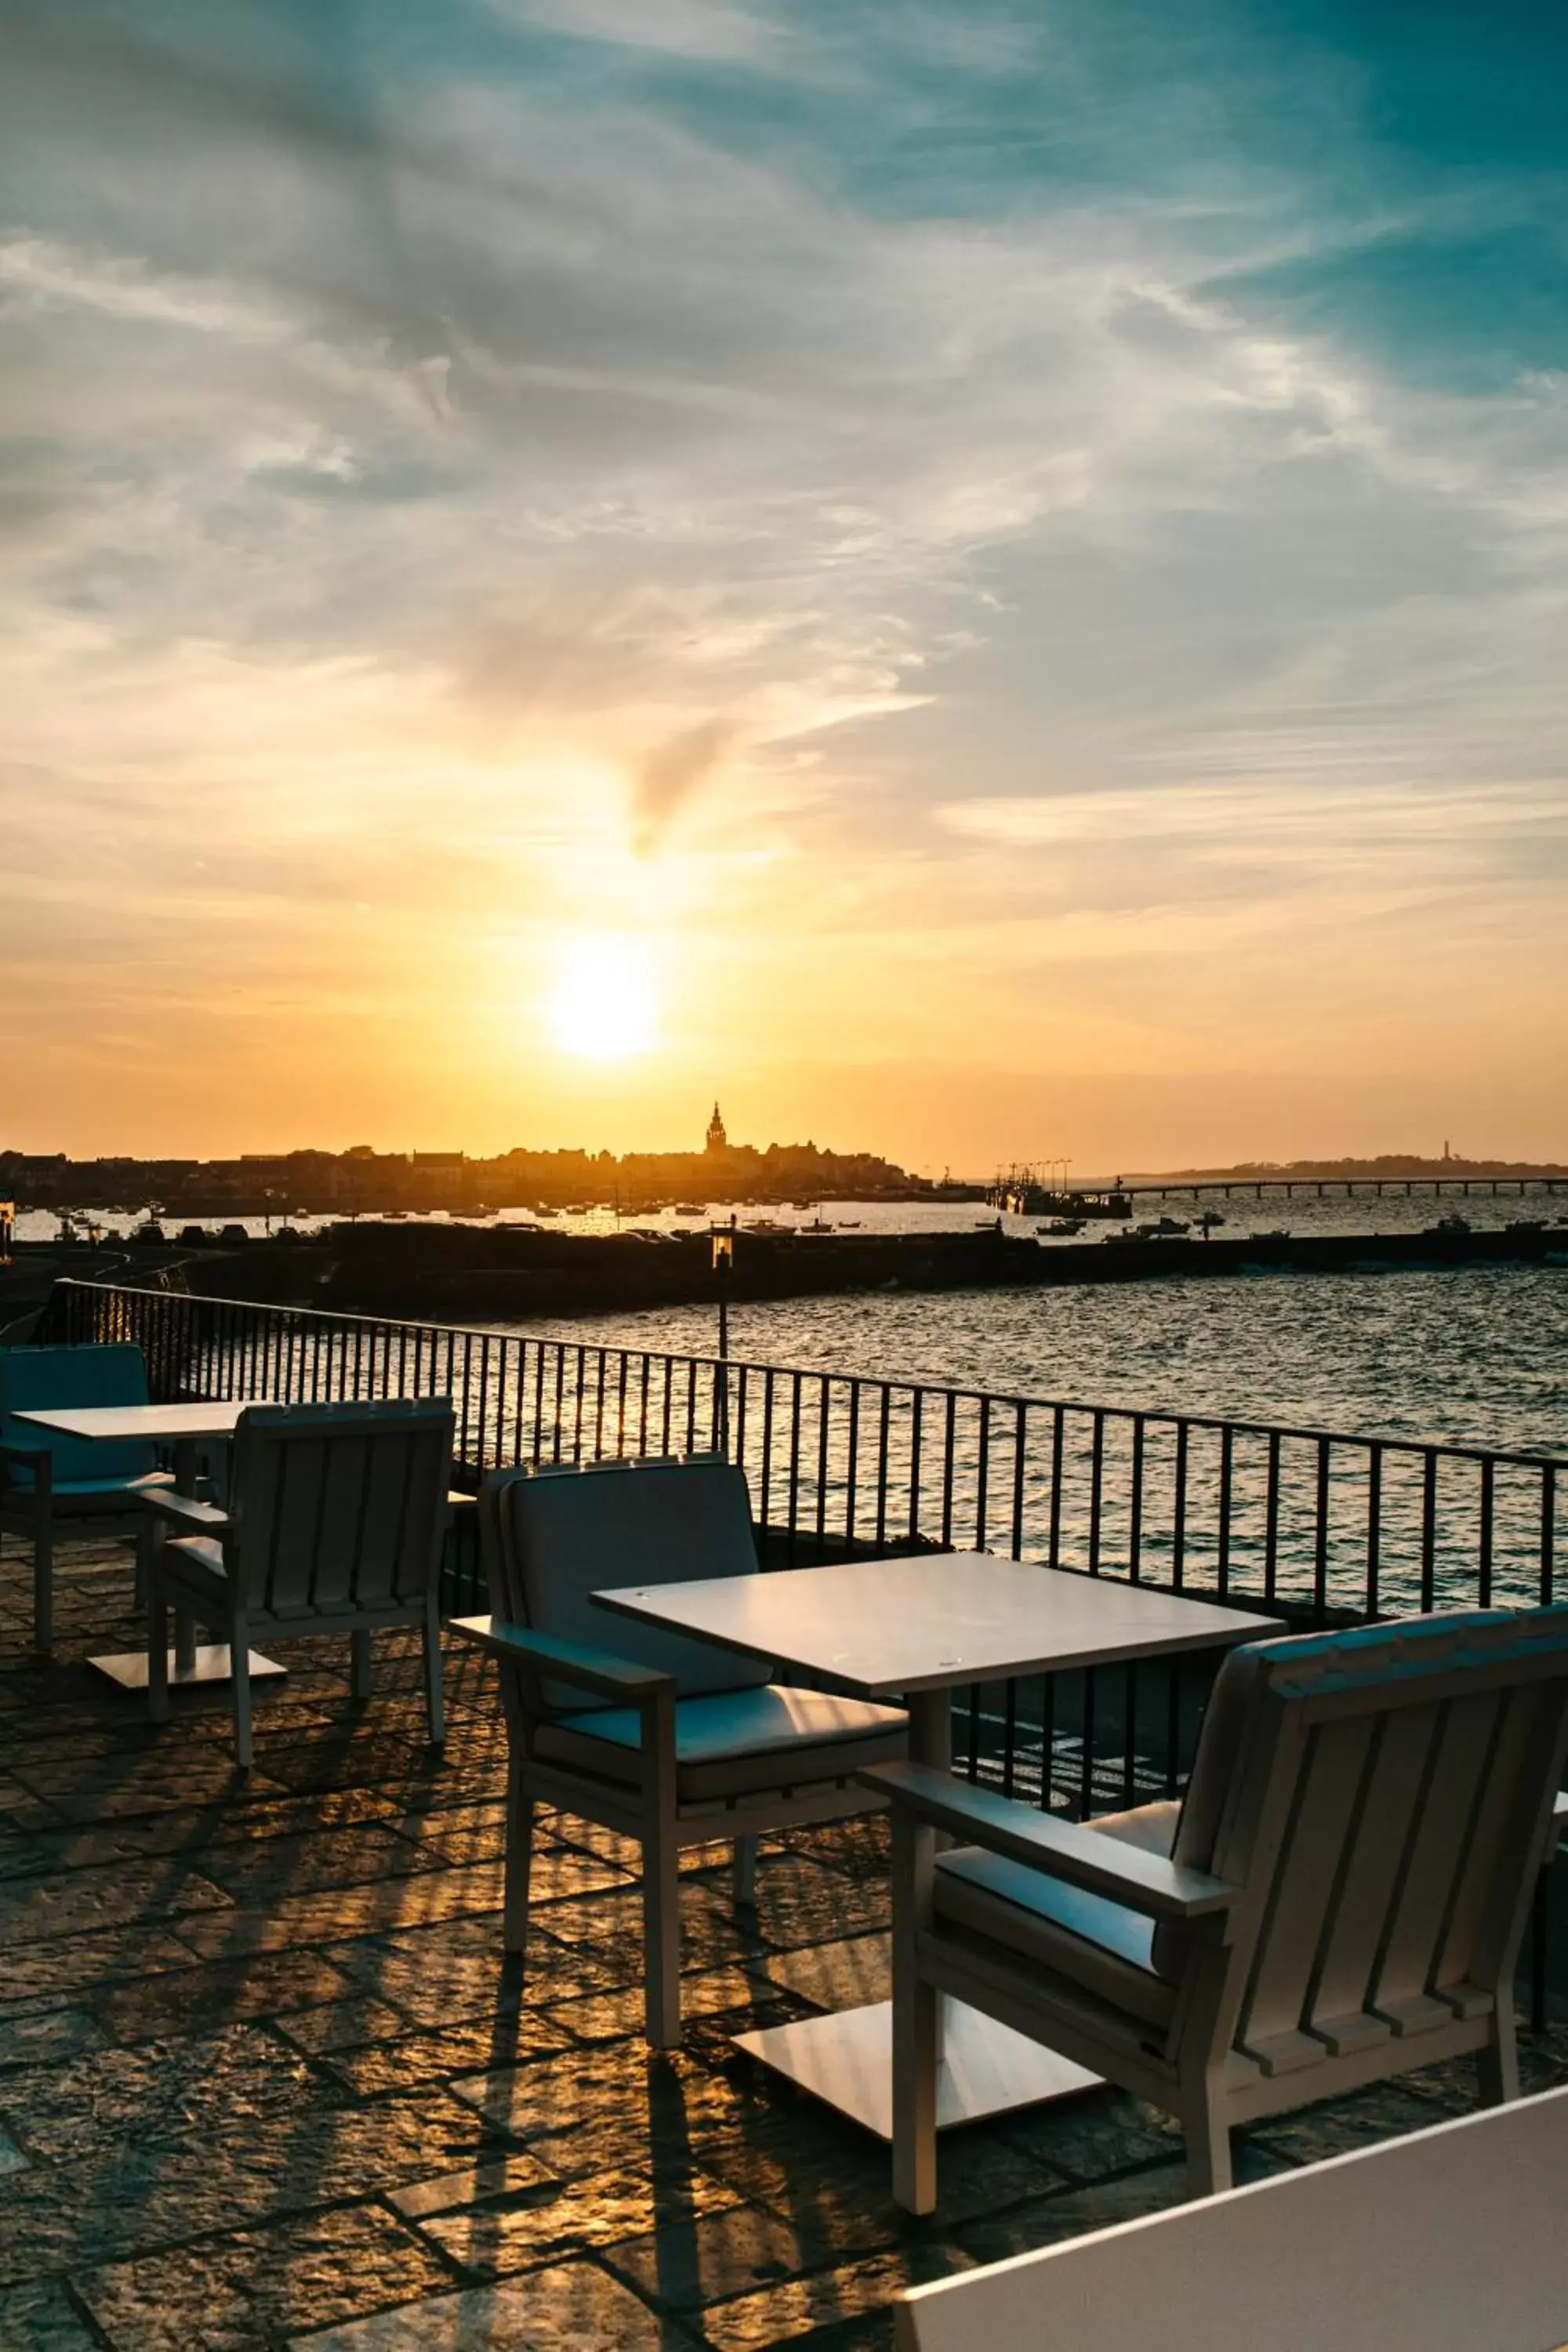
column 983, row 2068
column 930, row 1742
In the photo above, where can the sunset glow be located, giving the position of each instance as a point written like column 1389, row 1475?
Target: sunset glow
column 602, row 1006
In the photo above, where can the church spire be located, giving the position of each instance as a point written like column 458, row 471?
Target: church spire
column 717, row 1139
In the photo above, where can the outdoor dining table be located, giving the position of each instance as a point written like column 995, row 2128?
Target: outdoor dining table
column 914, row 1628
column 182, row 1427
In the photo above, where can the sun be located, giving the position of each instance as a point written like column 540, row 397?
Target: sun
column 603, row 1007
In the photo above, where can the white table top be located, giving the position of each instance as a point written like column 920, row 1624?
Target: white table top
column 936, row 1620
column 214, row 1418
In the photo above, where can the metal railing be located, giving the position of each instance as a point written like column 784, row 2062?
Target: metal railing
column 1322, row 1527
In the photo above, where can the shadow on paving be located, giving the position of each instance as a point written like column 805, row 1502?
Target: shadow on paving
column 265, row 2075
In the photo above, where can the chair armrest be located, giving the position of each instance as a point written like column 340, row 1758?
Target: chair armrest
column 197, row 1518
column 590, row 1669
column 1145, row 1882
column 38, row 1458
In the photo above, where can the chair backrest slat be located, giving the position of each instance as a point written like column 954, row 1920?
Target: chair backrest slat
column 1327, row 1798
column 340, row 1507
column 1418, row 1899
column 1398, row 1747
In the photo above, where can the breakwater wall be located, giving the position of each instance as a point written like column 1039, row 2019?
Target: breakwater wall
column 473, row 1273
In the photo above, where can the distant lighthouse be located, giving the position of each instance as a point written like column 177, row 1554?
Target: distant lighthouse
column 717, row 1139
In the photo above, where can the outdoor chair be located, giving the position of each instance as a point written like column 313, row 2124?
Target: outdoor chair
column 671, row 1741
column 50, row 1482
column 1339, row 1897
column 335, row 1524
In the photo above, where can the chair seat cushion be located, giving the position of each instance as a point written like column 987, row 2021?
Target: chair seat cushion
column 1098, row 1944
column 89, row 1491
column 738, row 1743
column 197, row 1562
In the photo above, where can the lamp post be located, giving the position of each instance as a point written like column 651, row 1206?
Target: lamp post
column 723, row 1240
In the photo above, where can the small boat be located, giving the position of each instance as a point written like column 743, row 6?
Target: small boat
column 542, row 1211
column 1453, row 1224
column 690, row 1209
column 1276, row 1234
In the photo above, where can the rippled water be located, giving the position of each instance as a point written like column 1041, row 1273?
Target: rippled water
column 1474, row 1355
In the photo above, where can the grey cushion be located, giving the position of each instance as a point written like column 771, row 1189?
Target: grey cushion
column 735, row 1743
column 91, row 1493
column 34, row 1378
column 571, row 1534
column 196, row 1560
column 1104, row 1949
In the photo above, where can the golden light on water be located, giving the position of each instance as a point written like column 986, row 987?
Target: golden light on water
column 604, row 1004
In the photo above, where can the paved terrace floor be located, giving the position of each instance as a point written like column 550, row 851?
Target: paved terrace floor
column 264, row 2078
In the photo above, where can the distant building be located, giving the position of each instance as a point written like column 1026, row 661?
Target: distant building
column 717, row 1139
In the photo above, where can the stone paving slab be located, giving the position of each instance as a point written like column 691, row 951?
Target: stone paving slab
column 268, row 2078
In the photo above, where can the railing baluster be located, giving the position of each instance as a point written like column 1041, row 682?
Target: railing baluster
column 1428, row 1527
column 1548, row 1533
column 1488, row 1474
column 917, row 1409
column 983, row 1470
column 824, row 1407
column 1227, row 1470
column 1179, row 1513
column 948, row 1447
column 1096, row 1488
column 1135, row 1504
column 1320, row 1536
column 793, row 1460
column 1271, row 1519
column 1058, row 1425
column 1373, row 1526
column 1020, row 1447
column 852, row 1463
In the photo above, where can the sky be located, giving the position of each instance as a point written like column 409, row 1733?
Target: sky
column 980, row 581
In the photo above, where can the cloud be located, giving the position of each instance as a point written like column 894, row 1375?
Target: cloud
column 670, row 774
column 712, row 30
column 449, row 461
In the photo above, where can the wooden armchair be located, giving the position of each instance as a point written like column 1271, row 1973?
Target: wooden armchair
column 1339, row 1896
column 669, row 1740
column 336, row 1522
column 50, row 1482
